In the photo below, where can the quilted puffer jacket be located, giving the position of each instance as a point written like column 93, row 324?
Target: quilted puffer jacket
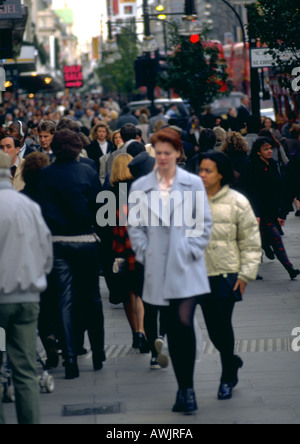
column 235, row 245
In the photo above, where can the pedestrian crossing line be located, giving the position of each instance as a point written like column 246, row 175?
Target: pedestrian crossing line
column 241, row 346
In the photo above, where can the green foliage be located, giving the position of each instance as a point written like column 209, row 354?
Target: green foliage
column 119, row 77
column 195, row 71
column 276, row 23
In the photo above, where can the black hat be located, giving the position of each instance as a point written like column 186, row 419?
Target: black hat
column 135, row 148
column 141, row 165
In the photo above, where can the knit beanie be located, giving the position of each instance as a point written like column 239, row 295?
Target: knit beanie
column 141, row 165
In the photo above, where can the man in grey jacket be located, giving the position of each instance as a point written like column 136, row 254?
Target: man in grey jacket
column 25, row 259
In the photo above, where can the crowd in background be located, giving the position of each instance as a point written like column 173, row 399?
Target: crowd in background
column 65, row 150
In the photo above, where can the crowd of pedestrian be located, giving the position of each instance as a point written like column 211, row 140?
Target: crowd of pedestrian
column 69, row 167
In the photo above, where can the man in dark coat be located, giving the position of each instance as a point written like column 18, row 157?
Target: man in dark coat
column 291, row 186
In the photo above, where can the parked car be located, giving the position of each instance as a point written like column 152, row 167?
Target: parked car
column 233, row 100
column 182, row 105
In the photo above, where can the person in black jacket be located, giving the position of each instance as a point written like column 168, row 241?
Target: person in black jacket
column 267, row 186
column 207, row 142
column 101, row 143
column 67, row 194
column 291, row 186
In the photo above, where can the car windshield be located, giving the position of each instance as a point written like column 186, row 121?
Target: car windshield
column 227, row 102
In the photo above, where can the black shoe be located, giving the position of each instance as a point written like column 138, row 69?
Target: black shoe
column 71, row 368
column 259, row 277
column 82, row 351
column 293, row 273
column 135, row 340
column 52, row 354
column 269, row 252
column 238, row 363
column 143, row 343
column 297, row 214
column 225, row 391
column 185, row 402
column 97, row 361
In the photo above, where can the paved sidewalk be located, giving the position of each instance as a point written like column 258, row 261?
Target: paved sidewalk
column 126, row 391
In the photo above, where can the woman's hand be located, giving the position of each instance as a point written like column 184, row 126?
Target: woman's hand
column 240, row 285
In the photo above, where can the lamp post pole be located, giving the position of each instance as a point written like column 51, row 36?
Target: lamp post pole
column 147, row 37
column 254, row 77
column 189, row 7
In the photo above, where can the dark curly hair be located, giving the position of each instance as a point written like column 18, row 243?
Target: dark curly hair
column 34, row 162
column 66, row 145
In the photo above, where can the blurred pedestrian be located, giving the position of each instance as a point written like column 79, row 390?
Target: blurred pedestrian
column 175, row 272
column 101, row 143
column 67, row 194
column 46, row 131
column 25, row 259
column 11, row 146
column 131, row 275
column 232, row 257
column 267, row 186
column 19, row 130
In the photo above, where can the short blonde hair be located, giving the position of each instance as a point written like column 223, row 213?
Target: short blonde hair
column 120, row 171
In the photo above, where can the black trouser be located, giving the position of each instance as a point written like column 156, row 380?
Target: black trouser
column 218, row 318
column 49, row 319
column 76, row 271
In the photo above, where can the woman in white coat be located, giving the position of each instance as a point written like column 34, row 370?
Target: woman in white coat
column 169, row 228
column 232, row 258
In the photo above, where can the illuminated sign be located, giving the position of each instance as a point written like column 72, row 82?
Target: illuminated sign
column 11, row 9
column 73, row 76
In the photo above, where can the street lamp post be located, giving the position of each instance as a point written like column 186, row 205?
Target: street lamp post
column 254, row 77
column 150, row 46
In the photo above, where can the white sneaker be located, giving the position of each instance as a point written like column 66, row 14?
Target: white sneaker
column 162, row 359
column 154, row 365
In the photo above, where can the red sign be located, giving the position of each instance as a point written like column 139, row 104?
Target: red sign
column 115, row 6
column 73, row 76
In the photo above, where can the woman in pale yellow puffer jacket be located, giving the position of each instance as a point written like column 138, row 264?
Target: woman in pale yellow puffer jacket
column 232, row 258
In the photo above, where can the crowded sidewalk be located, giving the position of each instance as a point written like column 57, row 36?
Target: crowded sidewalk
column 126, row 391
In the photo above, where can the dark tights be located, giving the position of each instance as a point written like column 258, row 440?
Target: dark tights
column 218, row 318
column 182, row 340
column 179, row 323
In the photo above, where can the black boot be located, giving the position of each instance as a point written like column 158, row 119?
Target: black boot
column 143, row 344
column 52, row 354
column 229, row 382
column 293, row 273
column 225, row 391
column 185, row 402
column 71, row 368
column 97, row 361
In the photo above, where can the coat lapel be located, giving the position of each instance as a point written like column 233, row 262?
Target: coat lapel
column 182, row 183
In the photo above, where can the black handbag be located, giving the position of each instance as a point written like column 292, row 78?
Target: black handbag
column 118, row 286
